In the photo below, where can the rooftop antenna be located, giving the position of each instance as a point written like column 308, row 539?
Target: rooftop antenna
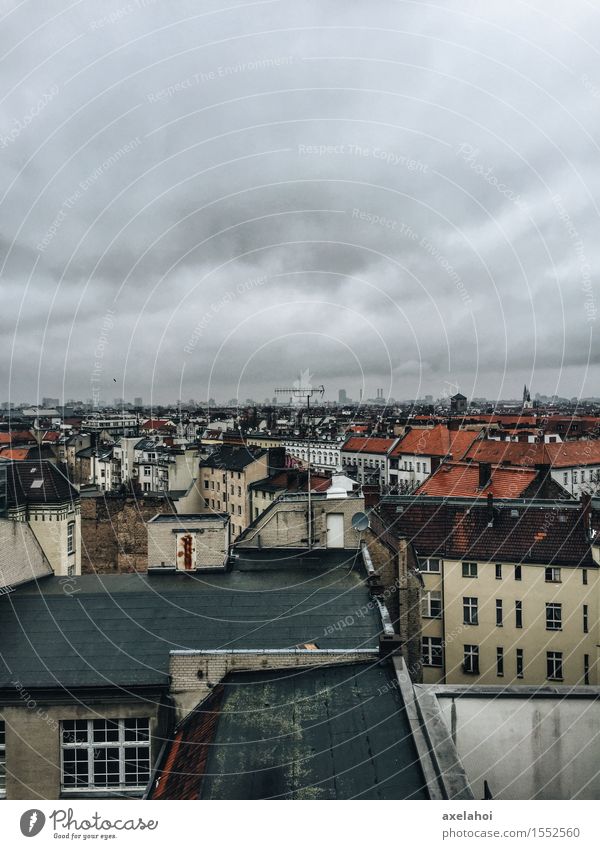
column 303, row 390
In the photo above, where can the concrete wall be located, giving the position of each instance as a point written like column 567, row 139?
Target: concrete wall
column 21, row 556
column 114, row 535
column 286, row 524
column 211, row 541
column 194, row 674
column 528, row 747
column 33, row 761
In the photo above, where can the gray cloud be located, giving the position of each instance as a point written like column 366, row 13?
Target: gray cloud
column 386, row 194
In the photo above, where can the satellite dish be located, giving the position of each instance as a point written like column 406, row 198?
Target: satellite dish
column 360, row 521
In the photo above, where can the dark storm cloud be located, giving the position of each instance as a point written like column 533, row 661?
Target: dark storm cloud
column 386, row 194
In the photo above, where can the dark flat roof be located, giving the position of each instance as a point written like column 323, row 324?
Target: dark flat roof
column 117, row 630
column 331, row 732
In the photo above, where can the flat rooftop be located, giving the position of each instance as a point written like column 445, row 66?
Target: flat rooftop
column 117, row 630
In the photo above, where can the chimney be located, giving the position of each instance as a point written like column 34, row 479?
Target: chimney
column 586, row 511
column 485, row 474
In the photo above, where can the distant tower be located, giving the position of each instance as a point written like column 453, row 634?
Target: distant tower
column 342, row 397
column 527, row 405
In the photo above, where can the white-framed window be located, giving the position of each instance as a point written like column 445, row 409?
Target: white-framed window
column 101, row 754
column 470, row 610
column 469, row 570
column 565, row 477
column 431, row 604
column 471, row 660
column 553, row 617
column 552, row 575
column 430, row 564
column 71, row 538
column 2, row 759
column 147, row 470
column 574, row 477
column 433, row 652
column 554, row 665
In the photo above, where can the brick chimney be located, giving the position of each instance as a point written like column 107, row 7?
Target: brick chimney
column 485, row 474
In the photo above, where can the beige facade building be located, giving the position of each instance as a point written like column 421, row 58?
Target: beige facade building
column 510, row 591
column 225, row 477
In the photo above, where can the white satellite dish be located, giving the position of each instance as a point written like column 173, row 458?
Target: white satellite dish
column 360, row 521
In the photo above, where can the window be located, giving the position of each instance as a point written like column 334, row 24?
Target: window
column 584, row 576
column 551, row 575
column 574, row 477
column 554, row 665
column 470, row 610
column 432, row 651
column 205, row 484
column 471, row 660
column 518, row 572
column 469, row 570
column 239, row 510
column 431, row 607
column 499, row 612
column 518, row 614
column 565, row 477
column 498, row 571
column 553, row 617
column 519, row 663
column 431, row 564
column 2, row 759
column 585, row 618
column 105, row 753
column 240, row 491
column 71, row 538
column 147, row 470
column 586, row 669
column 499, row 661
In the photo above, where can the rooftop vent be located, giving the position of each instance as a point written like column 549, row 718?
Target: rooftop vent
column 514, row 513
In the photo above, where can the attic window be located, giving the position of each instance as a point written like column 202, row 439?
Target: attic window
column 562, row 518
column 514, row 514
column 37, row 483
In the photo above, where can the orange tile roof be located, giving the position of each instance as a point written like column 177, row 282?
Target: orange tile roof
column 14, row 453
column 461, row 480
column 584, row 452
column 368, row 445
column 437, row 441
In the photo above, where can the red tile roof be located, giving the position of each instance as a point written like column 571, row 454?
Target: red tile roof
column 16, row 437
column 14, row 453
column 585, row 452
column 461, row 480
column 368, row 445
column 436, row 441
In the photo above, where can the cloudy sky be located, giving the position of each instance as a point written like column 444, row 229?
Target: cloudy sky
column 204, row 199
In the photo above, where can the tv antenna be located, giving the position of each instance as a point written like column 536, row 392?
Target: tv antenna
column 305, row 392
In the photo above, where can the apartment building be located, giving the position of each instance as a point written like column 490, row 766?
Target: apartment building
column 323, row 455
column 575, row 465
column 510, row 589
column 225, row 477
column 39, row 494
column 420, row 451
column 366, row 458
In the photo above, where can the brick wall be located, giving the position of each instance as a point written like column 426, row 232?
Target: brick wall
column 394, row 561
column 113, row 532
column 211, row 539
column 194, row 674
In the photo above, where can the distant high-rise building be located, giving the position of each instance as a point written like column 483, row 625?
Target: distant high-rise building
column 49, row 403
column 138, row 402
column 342, row 397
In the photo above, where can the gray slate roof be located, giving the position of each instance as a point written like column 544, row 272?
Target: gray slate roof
column 338, row 732
column 117, row 630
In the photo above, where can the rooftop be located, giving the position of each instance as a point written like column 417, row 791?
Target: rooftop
column 117, row 630
column 332, row 732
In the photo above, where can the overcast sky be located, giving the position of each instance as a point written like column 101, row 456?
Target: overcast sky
column 201, row 199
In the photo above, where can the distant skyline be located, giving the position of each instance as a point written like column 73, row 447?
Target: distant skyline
column 201, row 203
